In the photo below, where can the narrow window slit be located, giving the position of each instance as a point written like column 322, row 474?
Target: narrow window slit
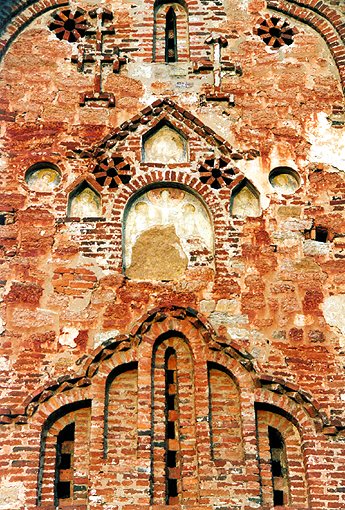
column 171, row 428
column 170, row 37
column 64, row 463
column 279, row 468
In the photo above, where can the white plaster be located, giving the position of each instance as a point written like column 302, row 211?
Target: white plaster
column 68, row 336
column 311, row 247
column 303, row 320
column 12, row 495
column 5, row 364
column 334, row 311
column 103, row 336
column 2, row 326
column 327, row 144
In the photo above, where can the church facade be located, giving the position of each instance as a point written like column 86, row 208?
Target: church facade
column 172, row 245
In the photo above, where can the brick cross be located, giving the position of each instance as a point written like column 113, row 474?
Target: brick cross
column 218, row 67
column 95, row 53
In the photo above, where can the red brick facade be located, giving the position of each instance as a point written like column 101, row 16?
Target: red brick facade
column 172, row 290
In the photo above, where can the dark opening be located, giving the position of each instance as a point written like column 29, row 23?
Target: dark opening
column 171, row 426
column 64, row 490
column 275, row 438
column 64, row 463
column 171, row 430
column 275, row 32
column 2, row 219
column 172, row 488
column 171, row 458
column 69, row 25
column 170, row 36
column 278, row 498
column 277, row 468
column 321, row 234
column 170, row 402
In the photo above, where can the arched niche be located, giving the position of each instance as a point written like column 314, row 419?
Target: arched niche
column 164, row 144
column 245, row 200
column 284, row 180
column 171, row 37
column 84, row 202
column 166, row 230
column 43, row 177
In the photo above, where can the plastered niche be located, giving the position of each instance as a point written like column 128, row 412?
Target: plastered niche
column 165, row 145
column 167, row 229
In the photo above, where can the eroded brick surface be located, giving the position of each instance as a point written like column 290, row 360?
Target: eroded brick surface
column 172, row 248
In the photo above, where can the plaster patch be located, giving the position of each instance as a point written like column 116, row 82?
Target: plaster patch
column 311, row 247
column 103, row 336
column 5, row 364
column 325, row 147
column 334, row 311
column 303, row 320
column 68, row 336
column 12, row 495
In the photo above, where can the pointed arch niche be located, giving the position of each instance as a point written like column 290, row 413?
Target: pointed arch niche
column 164, row 144
column 170, row 38
column 245, row 200
column 84, row 202
column 167, row 229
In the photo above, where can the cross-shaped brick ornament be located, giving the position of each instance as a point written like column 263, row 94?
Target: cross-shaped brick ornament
column 219, row 66
column 94, row 52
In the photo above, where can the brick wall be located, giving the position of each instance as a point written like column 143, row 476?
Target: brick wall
column 177, row 388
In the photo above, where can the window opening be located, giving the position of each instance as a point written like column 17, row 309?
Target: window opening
column 170, row 36
column 171, row 428
column 64, row 463
column 321, row 234
column 278, row 467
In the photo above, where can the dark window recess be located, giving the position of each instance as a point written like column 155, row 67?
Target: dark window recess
column 2, row 219
column 64, row 464
column 278, row 467
column 171, row 428
column 278, row 498
column 64, row 490
column 170, row 36
column 321, row 234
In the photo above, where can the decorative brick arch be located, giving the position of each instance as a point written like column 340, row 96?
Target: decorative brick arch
column 23, row 13
column 322, row 18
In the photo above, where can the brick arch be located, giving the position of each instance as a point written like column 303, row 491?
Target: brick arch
column 325, row 20
column 21, row 15
column 52, row 426
column 206, row 194
column 307, row 424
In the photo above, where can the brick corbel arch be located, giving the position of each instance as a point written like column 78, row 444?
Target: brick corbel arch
column 324, row 20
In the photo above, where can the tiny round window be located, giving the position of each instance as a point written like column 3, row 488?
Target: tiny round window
column 284, row 180
column 43, row 177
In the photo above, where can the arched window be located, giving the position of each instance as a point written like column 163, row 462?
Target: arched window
column 282, row 469
column 64, row 457
column 170, row 36
column 173, row 447
column 64, row 464
column 171, row 39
